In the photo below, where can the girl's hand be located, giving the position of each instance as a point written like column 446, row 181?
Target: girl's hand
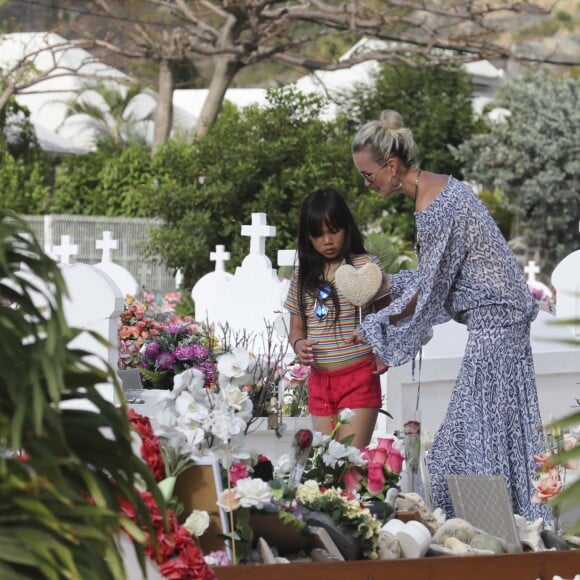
column 303, row 350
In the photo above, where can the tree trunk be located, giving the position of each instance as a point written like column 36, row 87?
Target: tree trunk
column 224, row 73
column 164, row 109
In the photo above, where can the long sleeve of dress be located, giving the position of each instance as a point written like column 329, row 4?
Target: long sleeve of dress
column 464, row 263
column 397, row 343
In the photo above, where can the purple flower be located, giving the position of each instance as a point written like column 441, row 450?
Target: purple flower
column 186, row 352
column 152, row 349
column 165, row 360
column 173, row 328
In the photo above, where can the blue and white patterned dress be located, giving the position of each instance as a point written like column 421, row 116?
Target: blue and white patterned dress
column 467, row 272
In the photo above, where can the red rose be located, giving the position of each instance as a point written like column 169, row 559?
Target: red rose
column 303, row 439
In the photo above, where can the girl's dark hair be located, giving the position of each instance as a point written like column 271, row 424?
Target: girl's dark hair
column 323, row 207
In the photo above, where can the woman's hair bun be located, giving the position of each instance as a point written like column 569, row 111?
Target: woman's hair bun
column 391, row 120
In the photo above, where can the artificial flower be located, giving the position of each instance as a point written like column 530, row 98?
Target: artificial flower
column 197, row 523
column 547, row 486
column 253, row 492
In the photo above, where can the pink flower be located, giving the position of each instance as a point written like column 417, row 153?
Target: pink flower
column 385, row 443
column 395, row 461
column 229, row 500
column 544, row 459
column 376, row 479
column 548, row 485
column 351, row 479
column 238, row 470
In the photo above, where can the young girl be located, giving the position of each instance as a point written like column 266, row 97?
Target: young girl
column 342, row 375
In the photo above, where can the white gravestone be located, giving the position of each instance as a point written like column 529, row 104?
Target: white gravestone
column 253, row 297
column 65, row 251
column 207, row 289
column 566, row 280
column 120, row 275
column 94, row 303
column 557, row 367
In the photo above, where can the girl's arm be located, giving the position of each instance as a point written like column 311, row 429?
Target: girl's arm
column 300, row 344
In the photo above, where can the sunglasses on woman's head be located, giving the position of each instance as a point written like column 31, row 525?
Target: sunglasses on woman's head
column 321, row 310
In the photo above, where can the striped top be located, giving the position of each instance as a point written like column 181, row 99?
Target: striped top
column 330, row 337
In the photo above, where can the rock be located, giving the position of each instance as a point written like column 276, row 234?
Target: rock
column 347, row 545
column 553, row 541
column 382, row 510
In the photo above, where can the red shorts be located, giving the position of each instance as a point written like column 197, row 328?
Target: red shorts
column 353, row 387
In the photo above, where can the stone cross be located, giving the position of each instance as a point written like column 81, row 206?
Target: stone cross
column 107, row 244
column 66, row 249
column 258, row 232
column 531, row 270
column 220, row 257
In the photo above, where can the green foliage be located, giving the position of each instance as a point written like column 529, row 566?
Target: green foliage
column 255, row 160
column 436, row 104
column 394, row 253
column 497, row 204
column 25, row 170
column 533, row 157
column 24, row 183
column 101, row 183
column 63, row 470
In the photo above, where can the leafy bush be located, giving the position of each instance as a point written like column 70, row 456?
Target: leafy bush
column 63, row 470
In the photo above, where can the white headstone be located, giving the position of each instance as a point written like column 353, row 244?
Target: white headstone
column 120, row 275
column 253, row 297
column 65, row 251
column 94, row 303
column 258, row 231
column 557, row 367
column 106, row 245
column 220, row 257
column 531, row 270
column 566, row 280
column 208, row 288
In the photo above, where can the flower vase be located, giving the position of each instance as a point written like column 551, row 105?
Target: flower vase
column 412, row 443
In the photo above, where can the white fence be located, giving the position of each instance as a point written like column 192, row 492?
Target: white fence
column 132, row 234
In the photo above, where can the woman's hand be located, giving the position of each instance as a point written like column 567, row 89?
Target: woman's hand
column 355, row 338
column 380, row 366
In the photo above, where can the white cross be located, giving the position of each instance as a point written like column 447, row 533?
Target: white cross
column 287, row 257
column 107, row 244
column 258, row 232
column 220, row 257
column 531, row 270
column 178, row 278
column 66, row 249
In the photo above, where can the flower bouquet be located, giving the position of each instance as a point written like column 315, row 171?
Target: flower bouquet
column 174, row 549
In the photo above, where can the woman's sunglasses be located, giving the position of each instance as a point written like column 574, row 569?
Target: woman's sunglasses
column 321, row 310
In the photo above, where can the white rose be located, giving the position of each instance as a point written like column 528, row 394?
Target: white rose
column 335, row 452
column 253, row 492
column 346, row 415
column 355, row 457
column 197, row 522
column 282, row 465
